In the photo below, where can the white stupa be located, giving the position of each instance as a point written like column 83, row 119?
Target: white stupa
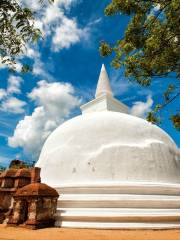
column 112, row 170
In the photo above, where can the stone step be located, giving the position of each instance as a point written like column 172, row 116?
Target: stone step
column 131, row 211
column 118, row 225
column 65, row 213
column 118, row 217
column 123, row 206
column 118, row 201
column 123, row 188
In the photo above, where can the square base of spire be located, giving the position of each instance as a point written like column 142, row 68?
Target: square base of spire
column 104, row 103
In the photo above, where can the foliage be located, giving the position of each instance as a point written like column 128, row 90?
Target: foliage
column 176, row 121
column 16, row 30
column 2, row 169
column 17, row 164
column 150, row 47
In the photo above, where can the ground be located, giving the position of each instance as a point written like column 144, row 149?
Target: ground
column 12, row 233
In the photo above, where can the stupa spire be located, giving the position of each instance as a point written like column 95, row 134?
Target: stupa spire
column 104, row 100
column 103, row 86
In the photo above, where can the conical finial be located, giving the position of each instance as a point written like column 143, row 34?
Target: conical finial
column 103, row 86
column 104, row 100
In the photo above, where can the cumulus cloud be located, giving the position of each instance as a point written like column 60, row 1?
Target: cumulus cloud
column 31, row 52
column 52, row 13
column 14, row 87
column 38, row 5
column 2, row 93
column 52, row 20
column 13, row 105
column 38, row 68
column 8, row 102
column 54, row 103
column 14, row 84
column 140, row 109
column 61, row 30
column 65, row 3
column 65, row 31
column 67, row 34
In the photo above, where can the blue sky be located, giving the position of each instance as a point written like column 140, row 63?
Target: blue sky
column 66, row 65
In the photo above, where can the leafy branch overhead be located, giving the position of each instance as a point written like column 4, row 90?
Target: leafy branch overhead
column 16, row 30
column 150, row 47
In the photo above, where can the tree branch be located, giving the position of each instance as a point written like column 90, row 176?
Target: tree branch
column 170, row 100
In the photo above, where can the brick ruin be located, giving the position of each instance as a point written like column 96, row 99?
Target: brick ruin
column 10, row 181
column 24, row 200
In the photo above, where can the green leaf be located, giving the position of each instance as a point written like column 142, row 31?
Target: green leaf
column 150, row 46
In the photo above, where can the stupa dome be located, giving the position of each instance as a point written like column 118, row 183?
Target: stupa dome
column 105, row 145
column 110, row 147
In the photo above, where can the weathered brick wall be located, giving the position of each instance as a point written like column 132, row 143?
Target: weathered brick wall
column 5, row 199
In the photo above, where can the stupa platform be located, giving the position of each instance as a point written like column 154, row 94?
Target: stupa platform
column 124, row 206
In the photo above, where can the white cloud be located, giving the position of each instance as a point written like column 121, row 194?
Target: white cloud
column 14, row 87
column 52, row 20
column 65, row 3
column 31, row 52
column 38, row 68
column 8, row 102
column 140, row 109
column 52, row 13
column 55, row 98
column 13, row 105
column 14, row 84
column 38, row 24
column 18, row 66
column 54, row 102
column 37, row 5
column 67, row 34
column 2, row 93
column 62, row 31
column 34, row 5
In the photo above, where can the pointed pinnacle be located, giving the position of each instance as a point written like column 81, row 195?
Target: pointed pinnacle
column 103, row 86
